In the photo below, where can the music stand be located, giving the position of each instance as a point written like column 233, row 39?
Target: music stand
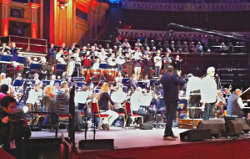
column 18, row 83
column 58, row 81
column 35, row 66
column 142, row 84
column 246, row 94
column 29, row 82
column 46, row 82
column 80, row 84
column 125, row 81
column 103, row 66
column 78, row 79
column 6, row 58
column 61, row 67
column 21, row 59
column 154, row 82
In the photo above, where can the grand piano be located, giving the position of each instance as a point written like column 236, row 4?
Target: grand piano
column 246, row 100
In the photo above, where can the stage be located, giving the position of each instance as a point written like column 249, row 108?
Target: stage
column 135, row 143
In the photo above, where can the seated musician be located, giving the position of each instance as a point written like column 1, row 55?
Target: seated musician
column 49, row 95
column 136, row 101
column 61, row 106
column 119, row 97
column 81, row 101
column 104, row 99
column 3, row 79
column 160, row 106
column 235, row 104
column 3, row 91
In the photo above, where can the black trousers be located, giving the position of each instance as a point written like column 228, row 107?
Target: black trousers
column 208, row 111
column 171, row 107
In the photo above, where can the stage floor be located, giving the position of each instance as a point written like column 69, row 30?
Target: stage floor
column 127, row 137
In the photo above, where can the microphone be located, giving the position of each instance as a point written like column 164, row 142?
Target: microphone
column 217, row 76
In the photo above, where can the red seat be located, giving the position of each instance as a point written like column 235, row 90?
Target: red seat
column 129, row 113
column 95, row 110
column 102, row 115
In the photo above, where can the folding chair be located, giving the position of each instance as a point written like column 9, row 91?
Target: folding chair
column 129, row 113
column 95, row 112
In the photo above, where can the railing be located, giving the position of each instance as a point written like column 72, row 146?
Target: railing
column 177, row 33
column 30, row 44
column 127, row 4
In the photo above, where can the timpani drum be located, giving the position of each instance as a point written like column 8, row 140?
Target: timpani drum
column 96, row 74
column 84, row 73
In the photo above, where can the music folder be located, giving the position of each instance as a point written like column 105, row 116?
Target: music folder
column 6, row 58
column 80, row 79
column 21, row 59
column 103, row 66
column 125, row 81
column 36, row 66
column 80, row 84
column 46, row 82
column 62, row 67
column 18, row 83
column 58, row 81
column 142, row 84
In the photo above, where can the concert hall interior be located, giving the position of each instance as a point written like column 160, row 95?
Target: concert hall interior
column 124, row 79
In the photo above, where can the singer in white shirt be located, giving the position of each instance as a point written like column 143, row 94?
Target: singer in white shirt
column 209, row 93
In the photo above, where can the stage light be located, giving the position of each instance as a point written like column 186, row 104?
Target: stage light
column 25, row 109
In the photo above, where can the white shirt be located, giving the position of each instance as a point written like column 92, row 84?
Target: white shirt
column 208, row 90
column 137, row 55
column 71, row 68
column 96, row 66
column 240, row 103
column 158, row 61
column 120, row 60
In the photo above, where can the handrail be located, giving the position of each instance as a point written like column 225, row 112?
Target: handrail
column 29, row 42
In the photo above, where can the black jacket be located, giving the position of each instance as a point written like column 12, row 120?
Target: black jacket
column 104, row 101
column 170, row 85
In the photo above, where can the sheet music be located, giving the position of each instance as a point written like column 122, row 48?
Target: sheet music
column 33, row 97
column 146, row 100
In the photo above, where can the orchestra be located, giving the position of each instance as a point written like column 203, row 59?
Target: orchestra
column 95, row 65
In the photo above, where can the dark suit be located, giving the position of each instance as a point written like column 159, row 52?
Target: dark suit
column 170, row 85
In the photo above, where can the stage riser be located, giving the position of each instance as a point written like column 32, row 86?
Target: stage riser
column 188, row 123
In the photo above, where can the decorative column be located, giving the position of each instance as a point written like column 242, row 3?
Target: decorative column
column 34, row 21
column 4, row 21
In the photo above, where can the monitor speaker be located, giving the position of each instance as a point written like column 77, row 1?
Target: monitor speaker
column 96, row 144
column 245, row 124
column 48, row 148
column 216, row 126
column 234, row 127
column 237, row 126
column 195, row 135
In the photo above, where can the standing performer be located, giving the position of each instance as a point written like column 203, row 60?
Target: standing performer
column 209, row 93
column 170, row 85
